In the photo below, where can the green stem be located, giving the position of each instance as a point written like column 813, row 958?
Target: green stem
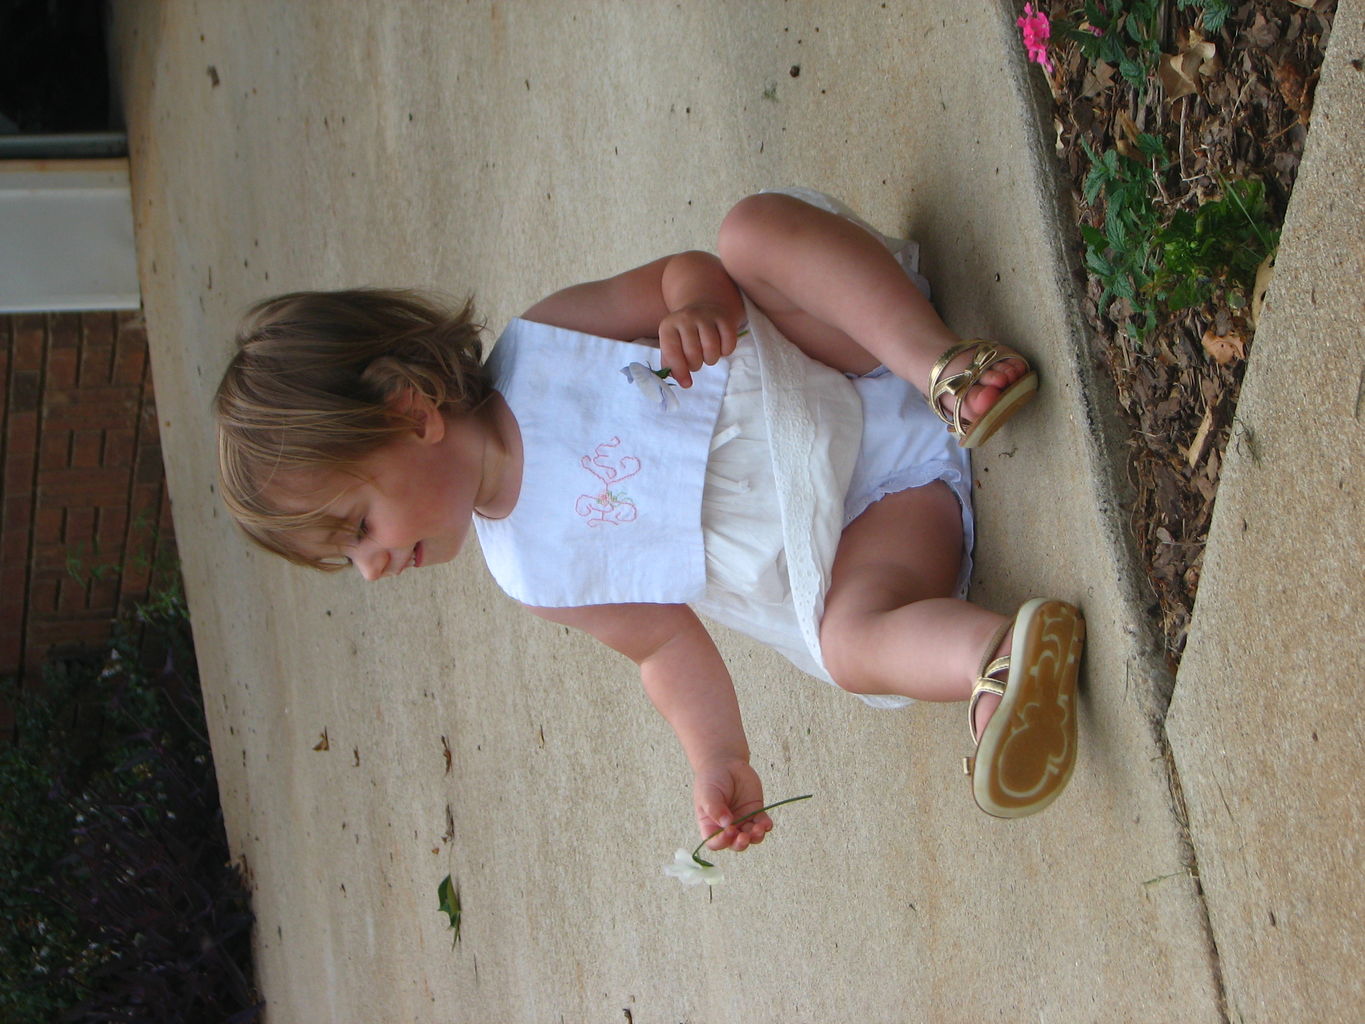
column 740, row 821
column 1230, row 191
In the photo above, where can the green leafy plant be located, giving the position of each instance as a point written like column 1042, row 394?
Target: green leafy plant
column 1124, row 33
column 118, row 899
column 1160, row 263
column 1219, row 245
column 1122, row 255
column 1213, row 13
column 83, row 572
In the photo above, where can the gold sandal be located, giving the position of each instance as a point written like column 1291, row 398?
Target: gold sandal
column 956, row 385
column 1026, row 753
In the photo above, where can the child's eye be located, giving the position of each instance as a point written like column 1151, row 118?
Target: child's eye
column 363, row 530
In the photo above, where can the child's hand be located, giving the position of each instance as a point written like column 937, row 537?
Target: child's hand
column 723, row 793
column 695, row 334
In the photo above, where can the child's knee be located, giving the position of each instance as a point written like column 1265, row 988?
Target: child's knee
column 840, row 654
column 752, row 224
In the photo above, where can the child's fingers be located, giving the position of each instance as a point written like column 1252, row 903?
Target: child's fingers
column 693, row 350
column 672, row 355
column 717, row 837
column 736, row 837
column 711, row 346
column 760, row 824
column 729, row 338
column 751, row 833
column 712, row 813
column 725, row 841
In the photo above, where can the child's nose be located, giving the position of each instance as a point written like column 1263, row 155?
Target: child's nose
column 371, row 561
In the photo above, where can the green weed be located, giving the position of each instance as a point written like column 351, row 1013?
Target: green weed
column 1164, row 263
column 1220, row 245
column 86, row 573
column 1213, row 12
column 1123, row 255
column 1124, row 34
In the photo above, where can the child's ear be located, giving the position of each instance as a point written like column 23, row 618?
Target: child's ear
column 431, row 425
column 428, row 424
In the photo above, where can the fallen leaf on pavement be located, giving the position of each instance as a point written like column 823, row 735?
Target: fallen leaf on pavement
column 449, row 896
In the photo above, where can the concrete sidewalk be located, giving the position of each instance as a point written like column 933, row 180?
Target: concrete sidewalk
column 1266, row 724
column 372, row 739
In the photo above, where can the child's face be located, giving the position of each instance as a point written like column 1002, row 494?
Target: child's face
column 410, row 506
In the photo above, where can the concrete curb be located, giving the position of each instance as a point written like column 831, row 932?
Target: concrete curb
column 1266, row 725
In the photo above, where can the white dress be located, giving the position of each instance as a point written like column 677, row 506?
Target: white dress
column 797, row 452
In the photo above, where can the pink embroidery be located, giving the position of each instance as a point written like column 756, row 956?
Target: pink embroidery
column 607, row 506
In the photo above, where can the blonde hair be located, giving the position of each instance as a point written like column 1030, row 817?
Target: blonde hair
column 312, row 388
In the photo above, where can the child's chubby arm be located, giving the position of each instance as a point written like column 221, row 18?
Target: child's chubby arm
column 688, row 682
column 686, row 300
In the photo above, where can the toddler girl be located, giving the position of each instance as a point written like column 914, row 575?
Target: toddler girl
column 736, row 435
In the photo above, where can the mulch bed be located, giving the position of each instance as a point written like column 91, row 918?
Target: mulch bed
column 1248, row 119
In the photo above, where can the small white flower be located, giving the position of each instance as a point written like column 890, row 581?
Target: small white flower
column 686, row 870
column 652, row 386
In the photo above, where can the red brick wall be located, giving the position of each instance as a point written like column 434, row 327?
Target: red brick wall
column 85, row 520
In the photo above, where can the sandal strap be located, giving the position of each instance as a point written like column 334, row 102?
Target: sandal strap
column 989, row 662
column 956, row 385
column 982, row 687
column 985, row 683
column 1000, row 664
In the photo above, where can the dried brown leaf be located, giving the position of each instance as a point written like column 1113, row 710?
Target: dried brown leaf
column 1295, row 88
column 1196, row 449
column 1223, row 349
column 1126, row 135
column 1180, row 73
column 1265, row 274
column 1190, row 43
column 1175, row 82
column 1263, row 32
column 1097, row 79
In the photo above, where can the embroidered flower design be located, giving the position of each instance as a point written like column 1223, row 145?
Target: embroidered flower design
column 653, row 384
column 608, row 507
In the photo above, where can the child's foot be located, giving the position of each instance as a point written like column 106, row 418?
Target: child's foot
column 1025, row 723
column 976, row 385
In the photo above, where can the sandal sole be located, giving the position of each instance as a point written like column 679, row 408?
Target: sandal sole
column 1028, row 751
column 1011, row 400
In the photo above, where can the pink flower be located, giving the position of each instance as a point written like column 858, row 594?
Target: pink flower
column 1036, row 30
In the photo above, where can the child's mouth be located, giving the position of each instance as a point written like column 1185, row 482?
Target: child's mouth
column 417, row 555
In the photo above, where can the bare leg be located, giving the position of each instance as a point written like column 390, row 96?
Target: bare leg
column 838, row 295
column 891, row 624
